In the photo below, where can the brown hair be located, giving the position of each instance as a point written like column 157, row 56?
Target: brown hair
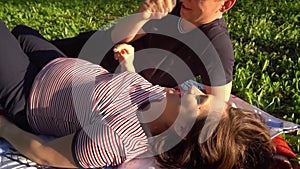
column 240, row 141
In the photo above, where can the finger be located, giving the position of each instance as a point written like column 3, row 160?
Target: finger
column 120, row 55
column 155, row 9
column 128, row 49
column 169, row 5
column 146, row 6
column 174, row 2
column 119, row 47
column 146, row 14
column 116, row 56
column 161, row 7
column 116, row 48
column 159, row 15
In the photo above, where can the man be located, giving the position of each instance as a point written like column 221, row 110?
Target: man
column 173, row 39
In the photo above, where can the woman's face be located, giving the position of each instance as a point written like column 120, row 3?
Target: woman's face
column 200, row 12
column 187, row 105
column 182, row 110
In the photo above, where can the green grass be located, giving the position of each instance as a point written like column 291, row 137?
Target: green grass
column 60, row 19
column 265, row 34
column 266, row 37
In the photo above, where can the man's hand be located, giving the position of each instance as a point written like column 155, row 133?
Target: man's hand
column 125, row 54
column 129, row 28
column 156, row 9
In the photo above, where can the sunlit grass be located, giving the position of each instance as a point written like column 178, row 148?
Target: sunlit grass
column 265, row 34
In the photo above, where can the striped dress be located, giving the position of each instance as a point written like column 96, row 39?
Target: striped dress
column 72, row 95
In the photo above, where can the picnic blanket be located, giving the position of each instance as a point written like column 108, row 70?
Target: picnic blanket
column 10, row 158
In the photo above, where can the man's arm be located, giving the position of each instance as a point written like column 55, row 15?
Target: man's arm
column 56, row 153
column 222, row 92
column 129, row 28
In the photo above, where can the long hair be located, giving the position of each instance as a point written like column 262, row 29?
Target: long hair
column 240, row 141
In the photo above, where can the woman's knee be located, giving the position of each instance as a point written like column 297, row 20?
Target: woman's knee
column 3, row 28
column 20, row 30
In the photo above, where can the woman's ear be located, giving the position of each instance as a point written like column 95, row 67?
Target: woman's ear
column 228, row 4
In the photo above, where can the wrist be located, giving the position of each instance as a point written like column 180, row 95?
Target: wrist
column 145, row 15
column 127, row 67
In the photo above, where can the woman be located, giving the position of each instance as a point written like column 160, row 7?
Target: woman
column 102, row 119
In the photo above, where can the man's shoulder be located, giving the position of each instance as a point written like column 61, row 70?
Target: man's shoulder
column 215, row 28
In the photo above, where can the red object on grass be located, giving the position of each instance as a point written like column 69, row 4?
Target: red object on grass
column 283, row 148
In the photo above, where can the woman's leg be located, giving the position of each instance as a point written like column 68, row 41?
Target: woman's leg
column 72, row 46
column 33, row 43
column 16, row 77
column 39, row 50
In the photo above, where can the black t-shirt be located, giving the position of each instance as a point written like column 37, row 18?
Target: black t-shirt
column 166, row 57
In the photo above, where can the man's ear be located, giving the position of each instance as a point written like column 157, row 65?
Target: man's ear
column 227, row 5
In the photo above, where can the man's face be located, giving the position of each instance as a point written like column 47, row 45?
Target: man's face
column 201, row 12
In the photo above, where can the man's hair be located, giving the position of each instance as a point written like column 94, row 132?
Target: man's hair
column 240, row 141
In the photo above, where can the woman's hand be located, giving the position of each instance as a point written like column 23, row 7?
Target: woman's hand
column 156, row 9
column 125, row 54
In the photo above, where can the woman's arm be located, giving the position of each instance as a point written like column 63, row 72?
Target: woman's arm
column 129, row 28
column 56, row 153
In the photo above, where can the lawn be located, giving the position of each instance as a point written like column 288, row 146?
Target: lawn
column 265, row 34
